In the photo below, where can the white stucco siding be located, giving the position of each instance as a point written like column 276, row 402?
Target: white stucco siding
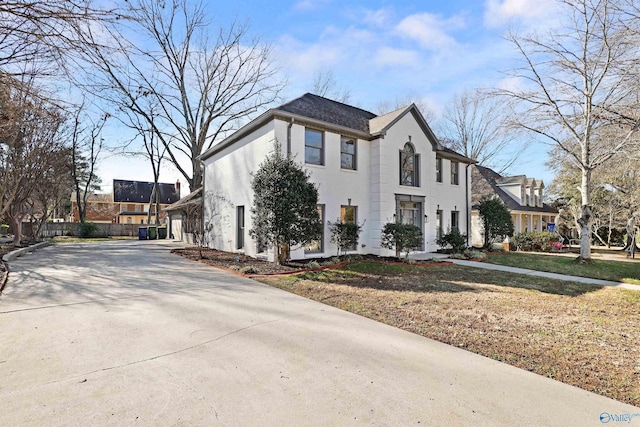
column 336, row 185
column 404, row 130
column 373, row 188
column 227, row 185
column 449, row 197
column 380, row 179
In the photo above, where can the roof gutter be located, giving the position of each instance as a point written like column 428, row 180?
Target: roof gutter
column 282, row 115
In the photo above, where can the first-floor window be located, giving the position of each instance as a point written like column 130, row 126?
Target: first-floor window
column 239, row 227
column 348, row 215
column 317, row 245
column 455, row 220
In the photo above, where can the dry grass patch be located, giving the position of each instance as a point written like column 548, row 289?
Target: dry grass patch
column 579, row 334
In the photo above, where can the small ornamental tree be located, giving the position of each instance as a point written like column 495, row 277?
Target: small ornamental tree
column 401, row 237
column 345, row 234
column 454, row 240
column 284, row 210
column 496, row 220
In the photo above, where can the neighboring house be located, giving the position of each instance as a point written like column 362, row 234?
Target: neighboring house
column 522, row 195
column 370, row 169
column 129, row 203
column 185, row 216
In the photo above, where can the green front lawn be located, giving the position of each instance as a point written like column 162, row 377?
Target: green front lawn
column 584, row 335
column 619, row 271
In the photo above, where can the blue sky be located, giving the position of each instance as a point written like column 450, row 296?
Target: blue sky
column 382, row 51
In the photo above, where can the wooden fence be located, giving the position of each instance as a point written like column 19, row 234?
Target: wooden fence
column 52, row 229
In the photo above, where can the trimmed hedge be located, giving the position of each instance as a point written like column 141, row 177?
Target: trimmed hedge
column 541, row 241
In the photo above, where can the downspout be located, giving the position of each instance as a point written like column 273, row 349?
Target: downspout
column 466, row 196
column 289, row 137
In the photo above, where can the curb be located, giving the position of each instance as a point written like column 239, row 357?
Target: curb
column 5, row 276
column 19, row 252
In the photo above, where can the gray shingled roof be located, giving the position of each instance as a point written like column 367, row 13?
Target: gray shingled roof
column 516, row 179
column 483, row 184
column 327, row 110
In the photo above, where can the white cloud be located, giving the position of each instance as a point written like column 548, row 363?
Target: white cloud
column 304, row 59
column 500, row 12
column 379, row 18
column 514, row 84
column 430, row 30
column 389, row 56
column 309, row 5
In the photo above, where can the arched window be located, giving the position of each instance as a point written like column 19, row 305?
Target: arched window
column 409, row 166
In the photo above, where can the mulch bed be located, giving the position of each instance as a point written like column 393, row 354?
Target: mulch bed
column 234, row 262
column 239, row 262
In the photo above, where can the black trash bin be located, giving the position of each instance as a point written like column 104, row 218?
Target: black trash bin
column 142, row 233
column 162, row 232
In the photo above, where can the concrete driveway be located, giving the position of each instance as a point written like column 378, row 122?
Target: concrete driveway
column 125, row 333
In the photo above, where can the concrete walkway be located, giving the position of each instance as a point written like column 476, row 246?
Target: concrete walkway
column 125, row 333
column 516, row 270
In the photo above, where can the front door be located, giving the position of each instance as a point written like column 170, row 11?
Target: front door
column 410, row 213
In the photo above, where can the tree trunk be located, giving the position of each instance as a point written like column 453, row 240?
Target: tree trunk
column 151, row 200
column 585, row 233
column 16, row 224
column 158, row 207
column 283, row 253
column 278, row 252
column 585, row 217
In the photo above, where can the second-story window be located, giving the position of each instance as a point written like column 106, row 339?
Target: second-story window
column 348, row 153
column 313, row 147
column 438, row 169
column 409, row 166
column 455, row 180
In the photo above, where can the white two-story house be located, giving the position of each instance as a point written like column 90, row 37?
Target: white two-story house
column 367, row 168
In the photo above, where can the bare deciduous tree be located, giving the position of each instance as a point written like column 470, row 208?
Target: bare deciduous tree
column 477, row 125
column 580, row 83
column 204, row 86
column 51, row 195
column 326, row 85
column 34, row 34
column 86, row 147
